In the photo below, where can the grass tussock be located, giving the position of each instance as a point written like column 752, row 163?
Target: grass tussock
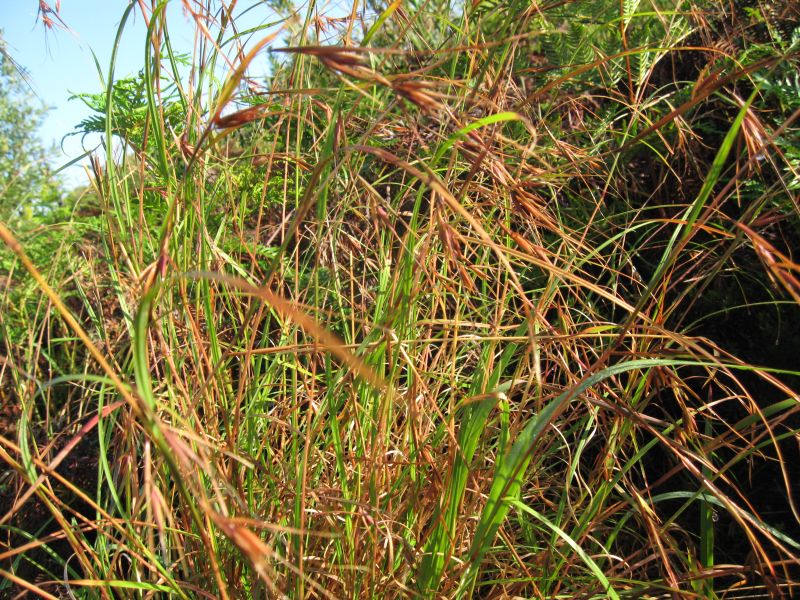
column 487, row 300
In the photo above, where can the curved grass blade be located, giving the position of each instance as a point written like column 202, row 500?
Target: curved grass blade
column 510, row 470
column 593, row 567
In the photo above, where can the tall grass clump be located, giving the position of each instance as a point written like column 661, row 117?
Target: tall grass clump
column 419, row 300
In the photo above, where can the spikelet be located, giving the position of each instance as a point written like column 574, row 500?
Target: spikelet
column 420, row 93
column 345, row 61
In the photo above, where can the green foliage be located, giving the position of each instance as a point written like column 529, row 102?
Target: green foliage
column 32, row 200
column 129, row 99
column 28, row 187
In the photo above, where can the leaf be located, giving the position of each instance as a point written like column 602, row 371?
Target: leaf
column 510, row 471
column 593, row 567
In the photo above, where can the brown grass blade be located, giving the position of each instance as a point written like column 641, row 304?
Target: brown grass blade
column 783, row 269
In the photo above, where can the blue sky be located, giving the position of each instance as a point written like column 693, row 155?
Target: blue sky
column 60, row 62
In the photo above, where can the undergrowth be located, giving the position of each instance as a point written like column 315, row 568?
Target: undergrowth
column 489, row 300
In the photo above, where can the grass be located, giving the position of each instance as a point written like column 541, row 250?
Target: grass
column 491, row 300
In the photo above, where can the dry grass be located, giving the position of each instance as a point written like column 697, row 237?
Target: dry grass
column 449, row 307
